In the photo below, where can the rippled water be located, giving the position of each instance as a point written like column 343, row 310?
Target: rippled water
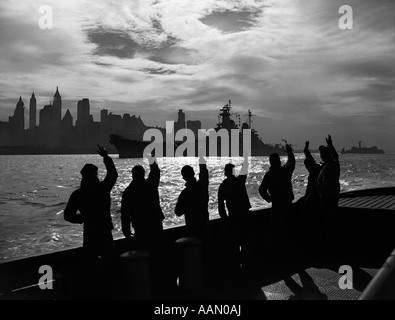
column 34, row 191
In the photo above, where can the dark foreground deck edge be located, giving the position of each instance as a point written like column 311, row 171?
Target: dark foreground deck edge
column 19, row 278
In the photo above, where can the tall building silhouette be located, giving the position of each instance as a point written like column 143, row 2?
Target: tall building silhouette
column 103, row 115
column 180, row 123
column 46, row 117
column 67, row 121
column 116, row 122
column 195, row 126
column 83, row 113
column 57, row 105
column 32, row 111
column 17, row 121
column 17, row 124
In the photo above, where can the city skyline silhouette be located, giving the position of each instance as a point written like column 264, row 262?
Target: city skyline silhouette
column 290, row 62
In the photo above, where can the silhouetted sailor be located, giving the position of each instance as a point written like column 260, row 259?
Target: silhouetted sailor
column 309, row 203
column 91, row 204
column 276, row 188
column 328, row 186
column 307, row 207
column 193, row 200
column 233, row 192
column 141, row 207
column 314, row 169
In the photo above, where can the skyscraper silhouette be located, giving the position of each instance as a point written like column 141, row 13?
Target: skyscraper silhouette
column 180, row 124
column 32, row 111
column 57, row 104
column 83, row 112
column 17, row 124
column 67, row 121
column 18, row 119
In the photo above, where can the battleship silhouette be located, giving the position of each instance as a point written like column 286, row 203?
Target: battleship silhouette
column 131, row 148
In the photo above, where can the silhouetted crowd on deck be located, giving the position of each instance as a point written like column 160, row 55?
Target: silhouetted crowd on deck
column 313, row 214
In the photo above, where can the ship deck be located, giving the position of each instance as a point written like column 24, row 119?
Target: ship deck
column 302, row 270
column 294, row 273
column 376, row 202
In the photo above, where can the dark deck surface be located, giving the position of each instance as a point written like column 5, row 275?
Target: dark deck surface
column 301, row 270
column 383, row 202
column 309, row 272
column 284, row 278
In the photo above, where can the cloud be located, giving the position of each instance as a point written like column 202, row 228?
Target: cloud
column 230, row 21
column 113, row 43
column 159, row 71
column 173, row 55
column 286, row 60
column 367, row 68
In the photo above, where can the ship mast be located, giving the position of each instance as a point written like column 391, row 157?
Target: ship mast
column 224, row 118
column 249, row 118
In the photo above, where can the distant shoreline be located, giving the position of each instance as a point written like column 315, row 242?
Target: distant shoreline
column 33, row 150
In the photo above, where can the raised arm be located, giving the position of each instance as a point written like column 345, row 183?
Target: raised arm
column 335, row 155
column 112, row 174
column 71, row 212
column 290, row 165
column 154, row 174
column 306, row 151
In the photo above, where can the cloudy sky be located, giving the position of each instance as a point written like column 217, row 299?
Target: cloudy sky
column 287, row 60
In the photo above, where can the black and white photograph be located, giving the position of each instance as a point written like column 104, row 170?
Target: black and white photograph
column 197, row 158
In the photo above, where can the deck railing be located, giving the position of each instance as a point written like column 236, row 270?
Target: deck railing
column 382, row 285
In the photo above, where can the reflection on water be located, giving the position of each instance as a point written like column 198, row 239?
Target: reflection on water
column 35, row 189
